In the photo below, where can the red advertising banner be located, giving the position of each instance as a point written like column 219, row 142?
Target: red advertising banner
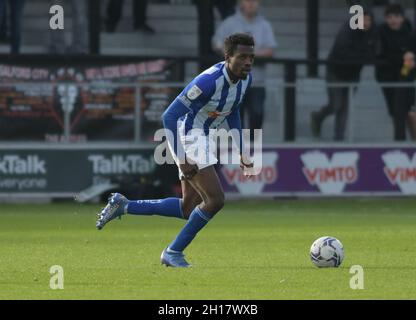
column 33, row 101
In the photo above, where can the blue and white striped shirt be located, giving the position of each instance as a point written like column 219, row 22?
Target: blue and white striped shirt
column 211, row 97
column 207, row 101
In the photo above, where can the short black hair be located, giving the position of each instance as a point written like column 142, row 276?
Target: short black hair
column 395, row 9
column 232, row 41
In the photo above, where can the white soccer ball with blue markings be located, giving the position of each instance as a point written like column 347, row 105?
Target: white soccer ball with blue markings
column 327, row 252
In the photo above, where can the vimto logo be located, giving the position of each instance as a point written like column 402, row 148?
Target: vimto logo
column 330, row 176
column 253, row 185
column 401, row 170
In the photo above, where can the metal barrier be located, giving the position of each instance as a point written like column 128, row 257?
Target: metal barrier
column 290, row 72
column 285, row 91
column 67, row 90
column 292, row 88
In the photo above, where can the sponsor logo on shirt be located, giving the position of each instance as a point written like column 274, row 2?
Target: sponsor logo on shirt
column 216, row 114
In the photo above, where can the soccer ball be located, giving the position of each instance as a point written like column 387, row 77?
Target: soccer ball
column 327, row 252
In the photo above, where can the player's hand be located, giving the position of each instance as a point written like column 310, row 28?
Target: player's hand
column 246, row 165
column 188, row 170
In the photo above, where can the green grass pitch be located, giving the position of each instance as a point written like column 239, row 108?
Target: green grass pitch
column 251, row 250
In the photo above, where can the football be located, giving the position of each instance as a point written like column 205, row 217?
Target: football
column 327, row 252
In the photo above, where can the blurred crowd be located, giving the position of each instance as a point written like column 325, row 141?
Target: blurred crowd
column 391, row 45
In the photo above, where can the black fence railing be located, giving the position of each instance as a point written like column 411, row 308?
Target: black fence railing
column 290, row 67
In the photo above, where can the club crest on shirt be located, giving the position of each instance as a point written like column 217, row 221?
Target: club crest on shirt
column 193, row 93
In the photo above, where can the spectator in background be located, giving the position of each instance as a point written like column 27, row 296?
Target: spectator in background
column 248, row 19
column 16, row 13
column 3, row 26
column 206, row 24
column 114, row 11
column 79, row 10
column 351, row 50
column 405, row 111
column 368, row 3
column 395, row 42
column 226, row 8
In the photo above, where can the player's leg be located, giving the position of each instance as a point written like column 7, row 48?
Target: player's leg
column 190, row 198
column 169, row 207
column 208, row 186
column 119, row 205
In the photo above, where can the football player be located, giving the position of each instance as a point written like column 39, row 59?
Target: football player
column 213, row 97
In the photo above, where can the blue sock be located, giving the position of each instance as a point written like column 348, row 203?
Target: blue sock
column 197, row 220
column 170, row 207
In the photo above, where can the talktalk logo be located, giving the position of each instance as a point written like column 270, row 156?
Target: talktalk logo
column 330, row 175
column 14, row 164
column 255, row 184
column 118, row 164
column 401, row 170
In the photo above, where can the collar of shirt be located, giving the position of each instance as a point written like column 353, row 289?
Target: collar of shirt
column 225, row 72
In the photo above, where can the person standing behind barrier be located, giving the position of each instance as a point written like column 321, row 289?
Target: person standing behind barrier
column 395, row 36
column 206, row 25
column 405, row 113
column 79, row 10
column 3, row 23
column 248, row 19
column 114, row 12
column 351, row 50
column 16, row 13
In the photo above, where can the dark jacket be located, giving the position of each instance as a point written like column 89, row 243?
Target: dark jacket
column 393, row 46
column 353, row 48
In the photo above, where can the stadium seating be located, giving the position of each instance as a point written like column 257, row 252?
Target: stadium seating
column 176, row 34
